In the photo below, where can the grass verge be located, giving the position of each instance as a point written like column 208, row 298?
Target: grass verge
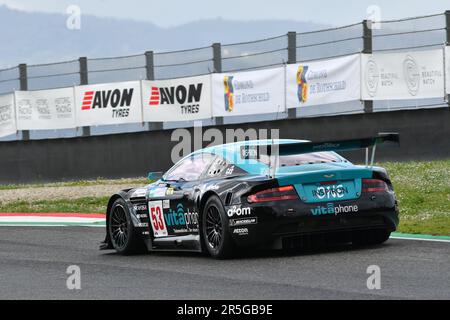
column 423, row 193
column 79, row 183
column 422, row 188
column 82, row 205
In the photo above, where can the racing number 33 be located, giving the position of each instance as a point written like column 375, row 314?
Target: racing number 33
column 157, row 218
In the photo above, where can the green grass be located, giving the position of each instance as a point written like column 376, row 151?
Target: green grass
column 423, row 192
column 422, row 188
column 87, row 205
column 80, row 183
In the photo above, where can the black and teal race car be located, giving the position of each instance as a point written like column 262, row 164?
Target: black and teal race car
column 263, row 193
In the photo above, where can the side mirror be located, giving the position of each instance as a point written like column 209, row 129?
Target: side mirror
column 153, row 176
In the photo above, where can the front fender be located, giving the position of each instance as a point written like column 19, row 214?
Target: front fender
column 125, row 195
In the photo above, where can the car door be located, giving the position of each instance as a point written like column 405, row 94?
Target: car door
column 172, row 203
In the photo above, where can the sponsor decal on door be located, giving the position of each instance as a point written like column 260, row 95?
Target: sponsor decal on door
column 157, row 218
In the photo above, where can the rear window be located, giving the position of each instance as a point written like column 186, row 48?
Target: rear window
column 301, row 159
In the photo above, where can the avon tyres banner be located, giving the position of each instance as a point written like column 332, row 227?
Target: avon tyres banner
column 323, row 82
column 447, row 69
column 45, row 109
column 177, row 100
column 112, row 103
column 412, row 75
column 245, row 93
column 7, row 115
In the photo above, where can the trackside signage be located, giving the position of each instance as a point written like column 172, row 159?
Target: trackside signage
column 7, row 115
column 406, row 75
column 177, row 100
column 323, row 82
column 45, row 109
column 112, row 103
column 251, row 92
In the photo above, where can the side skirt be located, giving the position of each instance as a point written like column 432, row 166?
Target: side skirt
column 176, row 243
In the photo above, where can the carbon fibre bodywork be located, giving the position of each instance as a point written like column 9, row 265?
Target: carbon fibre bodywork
column 167, row 214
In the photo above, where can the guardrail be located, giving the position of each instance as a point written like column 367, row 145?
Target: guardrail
column 411, row 34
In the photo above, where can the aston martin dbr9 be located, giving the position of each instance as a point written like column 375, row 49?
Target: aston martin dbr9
column 278, row 194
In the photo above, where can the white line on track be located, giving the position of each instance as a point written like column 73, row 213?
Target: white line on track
column 420, row 239
column 53, row 225
column 33, row 219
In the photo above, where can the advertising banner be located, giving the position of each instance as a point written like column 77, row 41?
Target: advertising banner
column 111, row 103
column 412, row 75
column 245, row 93
column 7, row 115
column 323, row 82
column 45, row 109
column 447, row 69
column 177, row 100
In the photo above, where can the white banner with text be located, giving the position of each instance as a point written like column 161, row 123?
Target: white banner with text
column 251, row 92
column 111, row 103
column 7, row 115
column 45, row 109
column 322, row 82
column 411, row 75
column 177, row 100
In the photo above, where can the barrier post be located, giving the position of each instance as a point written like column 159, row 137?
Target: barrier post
column 292, row 47
column 447, row 25
column 217, row 63
column 292, row 58
column 217, row 57
column 150, row 70
column 447, row 29
column 367, row 48
column 83, row 81
column 149, row 65
column 23, row 79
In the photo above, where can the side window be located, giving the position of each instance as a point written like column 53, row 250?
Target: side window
column 217, row 167
column 222, row 168
column 189, row 169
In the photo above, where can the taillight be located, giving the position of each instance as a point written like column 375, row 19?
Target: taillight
column 374, row 185
column 275, row 194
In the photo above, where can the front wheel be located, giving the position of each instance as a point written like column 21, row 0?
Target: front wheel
column 121, row 230
column 216, row 237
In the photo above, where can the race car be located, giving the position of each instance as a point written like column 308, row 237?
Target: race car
column 263, row 193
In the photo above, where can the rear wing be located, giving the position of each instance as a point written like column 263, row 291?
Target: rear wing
column 275, row 150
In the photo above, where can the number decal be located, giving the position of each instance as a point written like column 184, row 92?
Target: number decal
column 157, row 218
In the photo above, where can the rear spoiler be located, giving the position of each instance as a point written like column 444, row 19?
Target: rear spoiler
column 275, row 150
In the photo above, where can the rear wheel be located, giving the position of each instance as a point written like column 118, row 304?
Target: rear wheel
column 370, row 237
column 216, row 237
column 121, row 230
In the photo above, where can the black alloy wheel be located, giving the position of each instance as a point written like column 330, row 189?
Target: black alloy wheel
column 216, row 237
column 121, row 230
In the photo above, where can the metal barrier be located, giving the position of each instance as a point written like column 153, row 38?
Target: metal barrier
column 404, row 34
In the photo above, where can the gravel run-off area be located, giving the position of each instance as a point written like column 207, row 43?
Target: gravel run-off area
column 62, row 192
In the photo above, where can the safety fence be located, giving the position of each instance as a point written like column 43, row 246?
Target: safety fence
column 364, row 67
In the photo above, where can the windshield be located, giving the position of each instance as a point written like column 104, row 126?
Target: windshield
column 189, row 169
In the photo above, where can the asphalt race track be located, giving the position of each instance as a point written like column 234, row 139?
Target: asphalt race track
column 33, row 263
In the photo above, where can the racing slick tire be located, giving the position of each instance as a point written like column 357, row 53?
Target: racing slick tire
column 370, row 237
column 215, row 234
column 121, row 230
